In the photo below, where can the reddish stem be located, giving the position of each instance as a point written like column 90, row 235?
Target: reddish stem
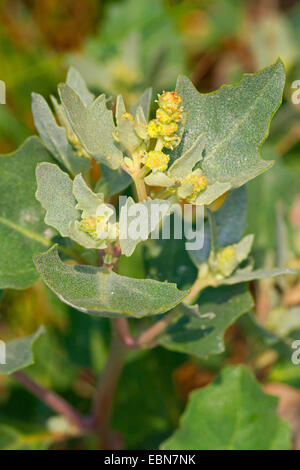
column 54, row 401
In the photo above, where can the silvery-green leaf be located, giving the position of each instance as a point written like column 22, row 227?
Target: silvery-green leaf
column 120, row 108
column 102, row 292
column 60, row 113
column 93, row 125
column 54, row 137
column 56, row 196
column 127, row 136
column 144, row 102
column 185, row 190
column 184, row 165
column 243, row 248
column 87, row 200
column 159, row 179
column 212, row 192
column 18, row 352
column 235, row 120
column 247, row 276
column 77, row 83
column 138, row 220
column 141, row 124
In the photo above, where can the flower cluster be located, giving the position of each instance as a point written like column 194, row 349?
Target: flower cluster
column 168, row 115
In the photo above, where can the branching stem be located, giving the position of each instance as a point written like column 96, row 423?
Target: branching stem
column 54, row 401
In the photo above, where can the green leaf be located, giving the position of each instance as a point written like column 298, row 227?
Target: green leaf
column 88, row 202
column 247, row 276
column 144, row 102
column 125, row 130
column 230, row 223
column 200, row 329
column 93, row 125
column 159, row 179
column 112, row 181
column 105, row 293
column 77, row 83
column 59, row 196
column 235, row 120
column 13, row 439
column 233, row 413
column 55, row 193
column 137, row 221
column 185, row 164
column 55, row 138
column 19, row 352
column 22, row 228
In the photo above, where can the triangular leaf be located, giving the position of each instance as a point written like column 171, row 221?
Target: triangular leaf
column 233, row 413
column 55, row 193
column 235, row 120
column 54, row 137
column 138, row 220
column 93, row 125
column 199, row 330
column 77, row 83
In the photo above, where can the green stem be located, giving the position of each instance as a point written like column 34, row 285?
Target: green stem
column 140, row 188
column 199, row 284
column 213, row 231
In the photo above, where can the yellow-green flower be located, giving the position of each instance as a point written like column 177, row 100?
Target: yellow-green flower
column 152, row 129
column 224, row 256
column 157, row 161
column 98, row 225
column 197, row 180
column 167, row 129
column 169, row 101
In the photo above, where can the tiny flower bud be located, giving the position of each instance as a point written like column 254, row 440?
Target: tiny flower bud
column 170, row 142
column 167, row 129
column 128, row 162
column 225, row 255
column 169, row 101
column 89, row 225
column 198, row 181
column 157, row 160
column 128, row 116
column 152, row 129
column 163, row 117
